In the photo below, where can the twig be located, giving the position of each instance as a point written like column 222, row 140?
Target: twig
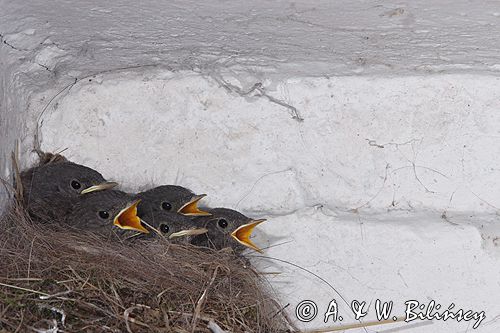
column 207, row 319
column 310, row 272
column 56, row 295
column 29, row 257
column 23, row 289
column 18, row 328
column 305, row 270
column 166, row 319
column 5, row 310
column 215, row 328
column 126, row 316
column 20, row 279
column 280, row 310
column 201, row 300
column 17, row 174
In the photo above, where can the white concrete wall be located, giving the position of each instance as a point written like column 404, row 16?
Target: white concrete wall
column 387, row 186
column 370, row 143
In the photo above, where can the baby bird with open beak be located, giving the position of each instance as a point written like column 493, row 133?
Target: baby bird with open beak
column 226, row 228
column 50, row 189
column 170, row 198
column 100, row 211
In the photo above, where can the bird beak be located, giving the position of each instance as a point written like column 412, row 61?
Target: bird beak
column 127, row 219
column 191, row 207
column 189, row 232
column 99, row 187
column 243, row 233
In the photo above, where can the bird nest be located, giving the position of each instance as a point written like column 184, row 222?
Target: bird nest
column 55, row 279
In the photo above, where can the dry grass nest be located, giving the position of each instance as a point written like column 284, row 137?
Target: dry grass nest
column 57, row 280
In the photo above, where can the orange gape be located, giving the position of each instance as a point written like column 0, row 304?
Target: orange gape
column 127, row 219
column 243, row 233
column 191, row 208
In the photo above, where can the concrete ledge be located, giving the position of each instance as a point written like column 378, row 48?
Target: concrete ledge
column 394, row 257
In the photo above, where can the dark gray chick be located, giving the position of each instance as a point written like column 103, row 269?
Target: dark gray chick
column 49, row 190
column 226, row 228
column 101, row 211
column 174, row 227
column 170, row 198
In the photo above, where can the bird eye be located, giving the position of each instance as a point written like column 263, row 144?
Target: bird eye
column 166, row 205
column 222, row 223
column 164, row 228
column 103, row 214
column 75, row 184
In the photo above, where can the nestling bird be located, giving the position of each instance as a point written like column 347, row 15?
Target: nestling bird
column 174, row 227
column 226, row 228
column 171, row 198
column 50, row 189
column 100, row 211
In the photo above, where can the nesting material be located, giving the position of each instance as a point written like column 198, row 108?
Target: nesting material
column 56, row 279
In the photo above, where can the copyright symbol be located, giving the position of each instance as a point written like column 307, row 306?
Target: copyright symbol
column 306, row 311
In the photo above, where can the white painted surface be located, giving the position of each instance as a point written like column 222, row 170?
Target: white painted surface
column 387, row 189
column 392, row 257
column 365, row 142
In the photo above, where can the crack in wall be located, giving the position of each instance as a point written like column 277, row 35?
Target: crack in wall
column 294, row 112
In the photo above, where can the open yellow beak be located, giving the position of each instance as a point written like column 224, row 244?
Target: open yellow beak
column 188, row 232
column 243, row 233
column 127, row 219
column 191, row 208
column 99, row 187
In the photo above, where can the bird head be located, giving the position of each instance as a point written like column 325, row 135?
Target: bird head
column 105, row 209
column 172, row 226
column 227, row 227
column 171, row 198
